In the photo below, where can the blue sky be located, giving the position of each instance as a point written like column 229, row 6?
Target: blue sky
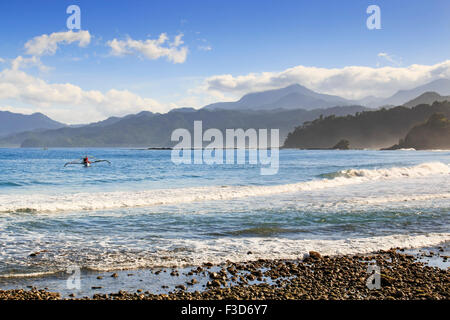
column 233, row 47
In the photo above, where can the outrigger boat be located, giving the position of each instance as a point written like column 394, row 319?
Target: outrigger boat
column 85, row 162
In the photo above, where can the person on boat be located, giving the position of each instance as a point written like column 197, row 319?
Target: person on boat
column 86, row 161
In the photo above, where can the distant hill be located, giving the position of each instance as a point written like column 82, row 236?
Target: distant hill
column 440, row 86
column 11, row 123
column 113, row 120
column 426, row 98
column 297, row 96
column 291, row 97
column 369, row 129
column 433, row 134
column 154, row 130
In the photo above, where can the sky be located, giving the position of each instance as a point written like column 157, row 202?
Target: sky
column 156, row 55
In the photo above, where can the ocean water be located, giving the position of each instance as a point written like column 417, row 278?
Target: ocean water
column 143, row 211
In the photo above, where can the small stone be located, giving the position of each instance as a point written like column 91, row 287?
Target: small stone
column 114, row 275
column 251, row 277
column 386, row 280
column 99, row 277
column 315, row 255
column 215, row 283
column 214, row 275
column 257, row 273
column 181, row 287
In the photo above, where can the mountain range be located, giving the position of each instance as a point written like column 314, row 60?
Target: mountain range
column 440, row 86
column 292, row 97
column 148, row 129
column 284, row 108
column 299, row 97
column 426, row 98
column 15, row 122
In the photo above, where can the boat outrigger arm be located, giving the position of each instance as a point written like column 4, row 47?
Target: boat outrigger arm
column 85, row 164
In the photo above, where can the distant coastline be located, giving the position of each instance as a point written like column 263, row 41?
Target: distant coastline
column 432, row 134
column 377, row 130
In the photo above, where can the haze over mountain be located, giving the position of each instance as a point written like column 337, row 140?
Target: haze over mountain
column 297, row 96
column 426, row 98
column 11, row 123
column 440, row 86
column 292, row 97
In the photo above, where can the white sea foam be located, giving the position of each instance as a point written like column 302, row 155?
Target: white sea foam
column 402, row 198
column 236, row 249
column 28, row 275
column 114, row 200
column 185, row 252
column 421, row 170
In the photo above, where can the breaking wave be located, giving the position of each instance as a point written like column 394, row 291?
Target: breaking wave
column 114, row 200
column 185, row 252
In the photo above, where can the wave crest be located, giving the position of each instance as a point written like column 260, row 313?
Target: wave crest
column 120, row 199
column 420, row 170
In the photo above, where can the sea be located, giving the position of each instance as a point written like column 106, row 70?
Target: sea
column 143, row 211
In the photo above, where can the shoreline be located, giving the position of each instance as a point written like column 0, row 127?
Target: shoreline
column 405, row 274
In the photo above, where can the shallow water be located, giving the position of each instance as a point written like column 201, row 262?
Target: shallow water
column 143, row 211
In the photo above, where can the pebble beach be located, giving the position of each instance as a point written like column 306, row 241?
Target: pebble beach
column 403, row 276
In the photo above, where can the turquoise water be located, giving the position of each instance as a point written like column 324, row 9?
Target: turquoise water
column 143, row 211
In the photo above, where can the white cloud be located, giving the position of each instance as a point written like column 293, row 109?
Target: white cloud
column 17, row 109
column 48, row 44
column 21, row 62
column 204, row 48
column 390, row 58
column 352, row 82
column 65, row 101
column 70, row 103
column 151, row 48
